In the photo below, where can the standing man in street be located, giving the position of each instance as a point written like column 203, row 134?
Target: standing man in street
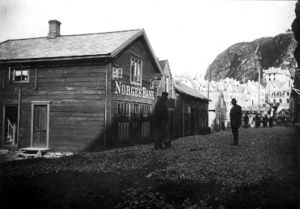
column 246, row 120
column 160, row 120
column 235, row 120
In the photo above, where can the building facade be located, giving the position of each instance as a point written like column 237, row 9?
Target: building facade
column 191, row 111
column 76, row 92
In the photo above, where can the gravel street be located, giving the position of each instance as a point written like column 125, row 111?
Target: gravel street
column 197, row 172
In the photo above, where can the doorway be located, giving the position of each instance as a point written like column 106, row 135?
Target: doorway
column 10, row 124
column 40, row 125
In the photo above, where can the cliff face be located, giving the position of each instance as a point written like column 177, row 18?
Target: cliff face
column 243, row 60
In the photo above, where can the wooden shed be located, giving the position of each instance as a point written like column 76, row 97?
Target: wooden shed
column 191, row 111
column 76, row 92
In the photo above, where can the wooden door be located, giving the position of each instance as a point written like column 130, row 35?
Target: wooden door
column 123, row 120
column 145, row 120
column 135, row 124
column 40, row 126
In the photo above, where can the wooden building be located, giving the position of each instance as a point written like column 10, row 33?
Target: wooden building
column 76, row 92
column 191, row 111
column 166, row 84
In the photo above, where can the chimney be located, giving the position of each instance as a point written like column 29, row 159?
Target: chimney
column 54, row 28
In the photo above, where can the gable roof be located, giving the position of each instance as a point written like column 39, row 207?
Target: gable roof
column 107, row 44
column 181, row 88
column 163, row 63
column 165, row 67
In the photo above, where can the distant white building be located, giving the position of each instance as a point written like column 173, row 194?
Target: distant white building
column 257, row 93
column 276, row 74
column 278, row 87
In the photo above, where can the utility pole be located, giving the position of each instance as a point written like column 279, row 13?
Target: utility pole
column 258, row 102
column 208, row 80
column 259, row 69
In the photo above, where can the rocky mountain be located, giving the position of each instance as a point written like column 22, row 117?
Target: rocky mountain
column 243, row 61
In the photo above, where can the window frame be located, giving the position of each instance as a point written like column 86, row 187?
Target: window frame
column 132, row 57
column 12, row 74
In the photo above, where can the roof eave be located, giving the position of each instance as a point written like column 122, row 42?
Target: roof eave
column 187, row 94
column 141, row 32
column 43, row 59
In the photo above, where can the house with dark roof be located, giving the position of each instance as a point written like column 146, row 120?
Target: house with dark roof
column 76, row 92
column 191, row 111
column 166, row 81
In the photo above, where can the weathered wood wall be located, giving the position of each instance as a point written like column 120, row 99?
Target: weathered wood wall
column 76, row 92
column 193, row 122
column 138, row 49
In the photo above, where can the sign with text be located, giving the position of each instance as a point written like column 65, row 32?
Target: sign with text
column 133, row 91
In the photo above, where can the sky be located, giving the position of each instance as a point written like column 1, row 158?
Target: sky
column 189, row 33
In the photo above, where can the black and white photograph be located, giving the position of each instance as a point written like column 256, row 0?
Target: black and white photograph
column 150, row 104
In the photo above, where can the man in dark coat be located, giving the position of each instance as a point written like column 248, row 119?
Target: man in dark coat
column 265, row 121
column 235, row 121
column 246, row 120
column 270, row 121
column 257, row 121
column 160, row 120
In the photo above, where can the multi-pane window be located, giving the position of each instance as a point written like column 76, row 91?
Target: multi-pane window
column 19, row 75
column 123, row 109
column 136, row 110
column 146, row 110
column 136, row 69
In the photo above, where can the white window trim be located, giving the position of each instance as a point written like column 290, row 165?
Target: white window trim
column 11, row 77
column 33, row 103
column 142, row 64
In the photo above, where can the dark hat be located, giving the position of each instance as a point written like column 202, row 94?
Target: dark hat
column 233, row 100
column 164, row 94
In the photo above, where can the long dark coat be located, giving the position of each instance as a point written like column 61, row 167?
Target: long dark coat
column 236, row 116
column 161, row 113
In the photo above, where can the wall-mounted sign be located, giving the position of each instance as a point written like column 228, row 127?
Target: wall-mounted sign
column 134, row 91
column 117, row 72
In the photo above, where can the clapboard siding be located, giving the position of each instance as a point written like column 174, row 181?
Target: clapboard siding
column 184, row 123
column 77, row 103
column 140, row 50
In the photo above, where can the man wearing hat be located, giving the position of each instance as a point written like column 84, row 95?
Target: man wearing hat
column 235, row 120
column 160, row 120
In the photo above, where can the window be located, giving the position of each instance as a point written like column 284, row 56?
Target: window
column 287, row 100
column 136, row 110
column 167, row 84
column 123, row 109
column 136, row 66
column 20, row 75
column 152, row 83
column 280, row 100
column 146, row 109
column 117, row 72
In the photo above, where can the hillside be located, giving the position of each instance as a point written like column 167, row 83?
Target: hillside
column 242, row 60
